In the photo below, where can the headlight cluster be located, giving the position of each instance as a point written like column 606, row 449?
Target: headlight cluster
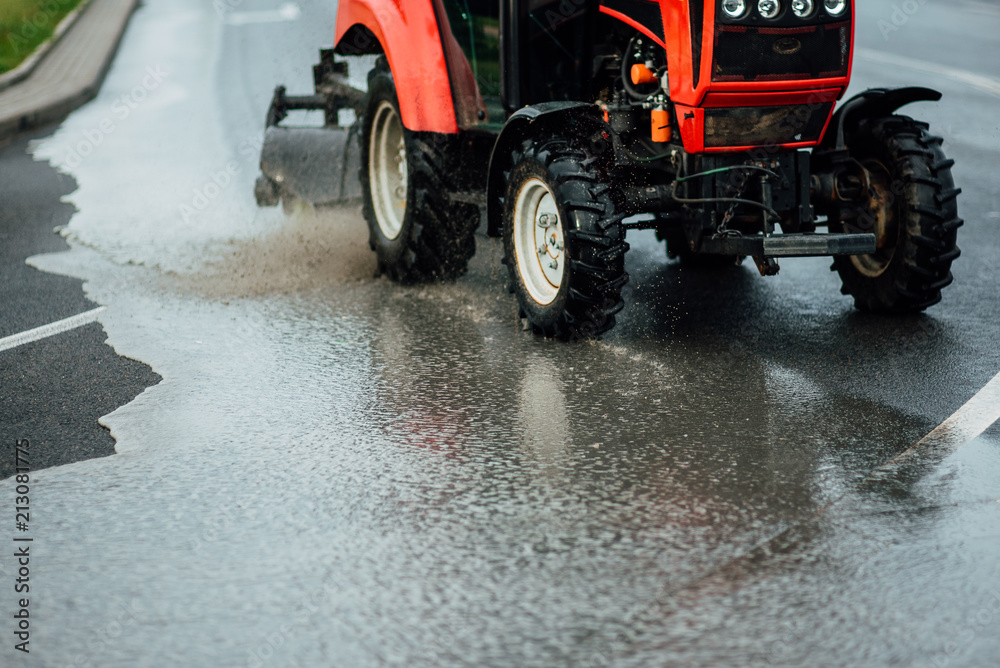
column 769, row 9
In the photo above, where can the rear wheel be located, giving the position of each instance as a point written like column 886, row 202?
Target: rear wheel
column 910, row 205
column 564, row 245
column 416, row 231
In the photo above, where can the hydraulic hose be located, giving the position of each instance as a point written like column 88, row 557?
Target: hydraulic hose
column 626, row 73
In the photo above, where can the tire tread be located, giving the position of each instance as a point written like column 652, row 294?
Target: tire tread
column 595, row 241
column 927, row 214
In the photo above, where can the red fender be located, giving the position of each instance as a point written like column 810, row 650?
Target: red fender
column 407, row 31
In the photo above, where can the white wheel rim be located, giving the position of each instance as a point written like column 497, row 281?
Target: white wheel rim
column 539, row 247
column 387, row 172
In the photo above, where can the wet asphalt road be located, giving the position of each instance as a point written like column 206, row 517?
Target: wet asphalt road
column 335, row 470
column 56, row 389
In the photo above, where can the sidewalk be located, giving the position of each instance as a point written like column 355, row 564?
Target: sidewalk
column 71, row 72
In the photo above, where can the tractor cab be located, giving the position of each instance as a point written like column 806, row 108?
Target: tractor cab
column 545, row 54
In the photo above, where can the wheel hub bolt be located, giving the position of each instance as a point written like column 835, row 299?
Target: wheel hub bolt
column 554, row 264
column 547, row 219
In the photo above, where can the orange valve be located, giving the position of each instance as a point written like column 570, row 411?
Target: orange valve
column 642, row 74
column 661, row 125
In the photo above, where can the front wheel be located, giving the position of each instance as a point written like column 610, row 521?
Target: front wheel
column 910, row 205
column 417, row 232
column 564, row 245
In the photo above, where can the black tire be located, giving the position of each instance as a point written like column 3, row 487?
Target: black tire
column 579, row 300
column 913, row 212
column 426, row 237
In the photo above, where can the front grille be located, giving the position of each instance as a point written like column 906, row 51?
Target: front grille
column 746, row 53
column 765, row 126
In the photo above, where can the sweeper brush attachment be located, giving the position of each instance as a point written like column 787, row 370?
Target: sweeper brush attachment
column 315, row 164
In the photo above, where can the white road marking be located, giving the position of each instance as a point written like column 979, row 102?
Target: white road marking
column 984, row 83
column 287, row 12
column 51, row 329
column 964, row 425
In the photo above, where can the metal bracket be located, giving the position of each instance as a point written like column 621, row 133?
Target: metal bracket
column 790, row 245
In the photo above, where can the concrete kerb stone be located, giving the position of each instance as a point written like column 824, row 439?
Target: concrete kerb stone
column 24, row 70
column 58, row 105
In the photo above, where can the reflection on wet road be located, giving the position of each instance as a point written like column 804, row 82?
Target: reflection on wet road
column 336, row 470
column 359, row 474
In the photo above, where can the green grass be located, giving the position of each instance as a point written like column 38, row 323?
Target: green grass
column 24, row 24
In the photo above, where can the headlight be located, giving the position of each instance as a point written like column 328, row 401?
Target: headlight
column 835, row 7
column 803, row 8
column 770, row 8
column 734, row 9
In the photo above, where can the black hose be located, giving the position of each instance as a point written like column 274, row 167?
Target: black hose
column 626, row 73
column 730, row 168
column 727, row 200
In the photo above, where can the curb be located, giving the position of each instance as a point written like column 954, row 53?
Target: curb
column 24, row 70
column 55, row 105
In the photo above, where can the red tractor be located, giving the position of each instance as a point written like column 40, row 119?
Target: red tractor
column 569, row 122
